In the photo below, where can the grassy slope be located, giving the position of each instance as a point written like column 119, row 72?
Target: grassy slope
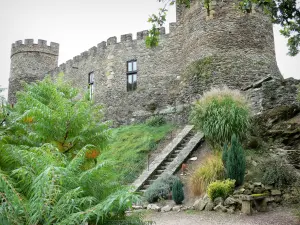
column 129, row 147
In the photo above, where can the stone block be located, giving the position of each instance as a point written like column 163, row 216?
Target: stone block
column 230, row 201
column 209, row 206
column 218, row 201
column 275, row 192
column 153, row 207
column 166, row 208
column 220, row 208
column 246, row 207
column 200, row 204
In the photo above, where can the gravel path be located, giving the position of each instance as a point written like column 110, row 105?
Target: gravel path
column 280, row 216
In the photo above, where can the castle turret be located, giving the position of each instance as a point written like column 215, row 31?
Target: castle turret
column 30, row 62
column 235, row 48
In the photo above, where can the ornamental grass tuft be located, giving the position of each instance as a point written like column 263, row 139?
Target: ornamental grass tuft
column 220, row 113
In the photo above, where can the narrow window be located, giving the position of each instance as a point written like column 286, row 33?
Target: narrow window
column 91, row 85
column 131, row 75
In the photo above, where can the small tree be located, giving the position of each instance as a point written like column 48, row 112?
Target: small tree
column 177, row 192
column 235, row 161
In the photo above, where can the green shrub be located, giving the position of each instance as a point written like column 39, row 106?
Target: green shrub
column 278, row 174
column 210, row 170
column 220, row 113
column 160, row 189
column 235, row 161
column 156, row 121
column 224, row 154
column 177, row 192
column 220, row 189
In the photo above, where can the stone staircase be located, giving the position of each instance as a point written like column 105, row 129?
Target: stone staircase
column 171, row 158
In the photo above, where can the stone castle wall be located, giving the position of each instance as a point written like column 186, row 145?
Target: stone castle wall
column 238, row 49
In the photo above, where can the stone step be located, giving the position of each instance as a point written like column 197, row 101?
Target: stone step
column 150, row 181
column 159, row 171
column 164, row 159
column 169, row 159
column 146, row 186
column 173, row 156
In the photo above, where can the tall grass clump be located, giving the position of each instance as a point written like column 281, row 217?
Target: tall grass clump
column 211, row 170
column 220, row 113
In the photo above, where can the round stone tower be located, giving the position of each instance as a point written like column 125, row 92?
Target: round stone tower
column 239, row 47
column 30, row 62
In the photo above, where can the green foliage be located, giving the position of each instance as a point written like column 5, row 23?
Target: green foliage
column 210, row 170
column 3, row 108
column 157, row 21
column 156, row 121
column 129, row 148
column 152, row 39
column 160, row 189
column 220, row 189
column 48, row 112
column 47, row 158
column 177, row 192
column 235, row 161
column 220, row 113
column 200, row 69
column 278, row 174
column 224, row 154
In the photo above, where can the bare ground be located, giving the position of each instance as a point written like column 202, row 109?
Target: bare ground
column 278, row 216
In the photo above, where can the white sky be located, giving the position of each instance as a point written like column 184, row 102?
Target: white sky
column 78, row 25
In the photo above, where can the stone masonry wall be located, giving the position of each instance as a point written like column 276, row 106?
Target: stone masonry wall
column 240, row 49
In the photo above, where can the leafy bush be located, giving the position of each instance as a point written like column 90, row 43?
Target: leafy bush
column 220, row 113
column 279, row 174
column 160, row 189
column 220, row 189
column 211, row 170
column 235, row 161
column 177, row 192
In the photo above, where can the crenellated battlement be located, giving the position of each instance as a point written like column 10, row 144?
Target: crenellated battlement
column 29, row 46
column 112, row 41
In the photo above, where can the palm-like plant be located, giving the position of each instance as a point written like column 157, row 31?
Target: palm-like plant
column 48, row 112
column 48, row 168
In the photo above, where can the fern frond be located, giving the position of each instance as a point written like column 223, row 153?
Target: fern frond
column 112, row 207
column 45, row 192
column 13, row 205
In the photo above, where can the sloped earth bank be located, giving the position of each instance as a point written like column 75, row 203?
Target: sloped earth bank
column 278, row 216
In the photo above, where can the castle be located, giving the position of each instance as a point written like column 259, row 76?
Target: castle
column 134, row 82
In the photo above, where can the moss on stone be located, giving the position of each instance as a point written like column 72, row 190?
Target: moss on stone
column 199, row 69
column 260, row 195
